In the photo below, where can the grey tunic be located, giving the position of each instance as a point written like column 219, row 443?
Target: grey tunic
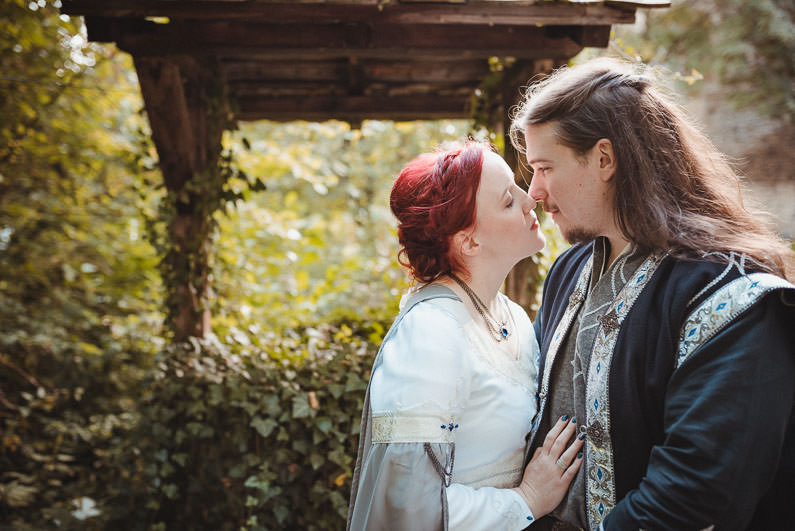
column 569, row 372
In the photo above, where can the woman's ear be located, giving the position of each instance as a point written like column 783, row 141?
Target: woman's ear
column 607, row 159
column 465, row 244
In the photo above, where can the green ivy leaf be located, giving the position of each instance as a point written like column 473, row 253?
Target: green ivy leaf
column 263, row 426
column 316, row 460
column 301, row 407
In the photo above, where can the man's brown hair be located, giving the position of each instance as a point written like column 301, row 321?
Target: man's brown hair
column 674, row 191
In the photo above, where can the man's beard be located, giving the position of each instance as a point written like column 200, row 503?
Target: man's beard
column 579, row 235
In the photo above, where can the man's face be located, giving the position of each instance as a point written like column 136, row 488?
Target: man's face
column 574, row 190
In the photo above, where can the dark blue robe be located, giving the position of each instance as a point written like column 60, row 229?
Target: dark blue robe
column 700, row 425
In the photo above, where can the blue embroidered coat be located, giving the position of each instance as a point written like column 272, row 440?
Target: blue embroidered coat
column 690, row 394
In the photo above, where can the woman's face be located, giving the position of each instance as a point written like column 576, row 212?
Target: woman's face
column 506, row 227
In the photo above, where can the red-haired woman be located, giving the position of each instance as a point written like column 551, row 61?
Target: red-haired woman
column 453, row 389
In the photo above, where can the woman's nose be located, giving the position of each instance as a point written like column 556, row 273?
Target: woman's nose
column 528, row 203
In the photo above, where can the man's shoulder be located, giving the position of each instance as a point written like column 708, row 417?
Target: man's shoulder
column 696, row 274
column 730, row 298
column 699, row 297
column 698, row 279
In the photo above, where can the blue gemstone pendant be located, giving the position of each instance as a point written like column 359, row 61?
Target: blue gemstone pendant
column 504, row 332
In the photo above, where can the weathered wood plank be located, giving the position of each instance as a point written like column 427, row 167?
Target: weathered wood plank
column 339, row 40
column 346, row 87
column 656, row 4
column 397, row 71
column 488, row 13
column 353, row 108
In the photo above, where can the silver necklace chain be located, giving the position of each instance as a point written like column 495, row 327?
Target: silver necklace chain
column 498, row 332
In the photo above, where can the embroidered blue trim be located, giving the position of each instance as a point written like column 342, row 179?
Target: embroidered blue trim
column 721, row 308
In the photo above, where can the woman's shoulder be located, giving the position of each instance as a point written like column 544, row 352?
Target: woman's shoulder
column 425, row 362
column 437, row 319
column 435, row 302
column 431, row 333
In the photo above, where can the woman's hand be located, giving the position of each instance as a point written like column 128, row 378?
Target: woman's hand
column 548, row 475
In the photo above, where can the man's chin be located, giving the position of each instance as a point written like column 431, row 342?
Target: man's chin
column 579, row 235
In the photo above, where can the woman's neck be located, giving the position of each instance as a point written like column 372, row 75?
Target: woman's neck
column 486, row 286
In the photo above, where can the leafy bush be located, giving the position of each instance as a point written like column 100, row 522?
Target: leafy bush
column 79, row 305
column 246, row 442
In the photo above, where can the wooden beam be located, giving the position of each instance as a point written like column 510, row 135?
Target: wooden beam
column 169, row 119
column 563, row 48
column 272, row 70
column 284, row 41
column 280, row 77
column 353, row 108
column 395, row 71
column 344, row 87
column 513, row 13
column 633, row 4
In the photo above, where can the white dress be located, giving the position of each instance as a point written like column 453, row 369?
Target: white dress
column 440, row 379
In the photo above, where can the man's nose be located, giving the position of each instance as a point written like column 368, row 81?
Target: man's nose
column 536, row 191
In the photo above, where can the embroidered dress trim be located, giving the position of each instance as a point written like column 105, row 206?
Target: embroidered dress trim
column 600, row 491
column 576, row 299
column 721, row 308
column 392, row 427
column 504, row 473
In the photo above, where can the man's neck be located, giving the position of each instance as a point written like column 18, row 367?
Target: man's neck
column 616, row 246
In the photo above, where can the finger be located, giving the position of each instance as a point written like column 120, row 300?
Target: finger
column 571, row 452
column 562, row 440
column 555, row 431
column 570, row 472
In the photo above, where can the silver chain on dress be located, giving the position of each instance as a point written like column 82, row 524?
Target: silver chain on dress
column 498, row 332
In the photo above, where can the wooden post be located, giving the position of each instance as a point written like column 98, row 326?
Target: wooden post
column 187, row 113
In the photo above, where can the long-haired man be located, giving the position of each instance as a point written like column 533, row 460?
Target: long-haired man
column 668, row 325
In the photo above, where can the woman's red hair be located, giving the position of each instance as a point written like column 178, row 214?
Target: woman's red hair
column 433, row 198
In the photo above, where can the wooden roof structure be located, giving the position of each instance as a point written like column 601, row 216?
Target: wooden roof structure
column 203, row 65
column 354, row 59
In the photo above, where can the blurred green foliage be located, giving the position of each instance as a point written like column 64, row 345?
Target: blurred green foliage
column 747, row 47
column 320, row 243
column 79, row 307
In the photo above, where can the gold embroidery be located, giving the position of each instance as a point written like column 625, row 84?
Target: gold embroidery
column 600, row 489
column 391, row 427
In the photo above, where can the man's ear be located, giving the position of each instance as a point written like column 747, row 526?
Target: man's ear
column 464, row 242
column 607, row 159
